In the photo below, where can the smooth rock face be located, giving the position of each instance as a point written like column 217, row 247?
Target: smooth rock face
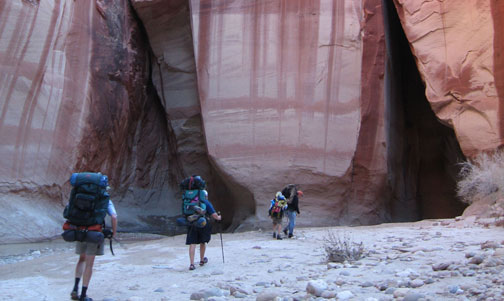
column 251, row 95
column 44, row 109
column 168, row 27
column 75, row 97
column 458, row 53
column 281, row 96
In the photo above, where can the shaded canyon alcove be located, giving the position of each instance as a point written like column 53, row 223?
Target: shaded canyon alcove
column 170, row 37
column 422, row 152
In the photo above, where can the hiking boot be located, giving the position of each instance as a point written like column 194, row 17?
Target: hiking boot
column 279, row 238
column 290, row 235
column 192, row 267
column 205, row 260
column 285, row 232
column 74, row 295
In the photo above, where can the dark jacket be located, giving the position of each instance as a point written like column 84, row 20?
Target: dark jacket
column 294, row 205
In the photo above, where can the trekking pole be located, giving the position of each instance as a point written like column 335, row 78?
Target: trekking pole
column 111, row 249
column 222, row 244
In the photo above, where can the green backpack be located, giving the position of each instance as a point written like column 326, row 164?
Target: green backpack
column 192, row 202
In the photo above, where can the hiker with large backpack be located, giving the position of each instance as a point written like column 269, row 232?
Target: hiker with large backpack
column 85, row 214
column 197, row 211
column 276, row 211
column 292, row 195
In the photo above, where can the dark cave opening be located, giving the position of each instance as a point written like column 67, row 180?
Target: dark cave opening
column 422, row 153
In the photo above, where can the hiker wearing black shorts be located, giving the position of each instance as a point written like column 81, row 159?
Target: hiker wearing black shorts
column 87, row 252
column 201, row 236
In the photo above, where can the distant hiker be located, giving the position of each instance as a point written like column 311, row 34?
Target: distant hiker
column 292, row 209
column 288, row 192
column 197, row 210
column 276, row 211
column 85, row 220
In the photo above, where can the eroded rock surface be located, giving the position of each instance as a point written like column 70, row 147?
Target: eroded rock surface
column 457, row 49
column 251, row 95
column 282, row 101
column 75, row 96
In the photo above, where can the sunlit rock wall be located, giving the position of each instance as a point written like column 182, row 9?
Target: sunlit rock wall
column 74, row 96
column 168, row 27
column 250, row 94
column 458, row 50
column 286, row 98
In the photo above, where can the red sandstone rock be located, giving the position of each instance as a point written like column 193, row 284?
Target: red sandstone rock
column 74, row 96
column 250, row 94
column 285, row 97
column 458, row 53
column 277, row 88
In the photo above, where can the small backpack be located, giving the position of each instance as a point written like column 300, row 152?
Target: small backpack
column 277, row 208
column 89, row 199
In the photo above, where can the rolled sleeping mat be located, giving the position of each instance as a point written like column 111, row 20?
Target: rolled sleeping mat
column 72, row 235
column 79, row 178
column 94, row 237
column 182, row 221
column 201, row 222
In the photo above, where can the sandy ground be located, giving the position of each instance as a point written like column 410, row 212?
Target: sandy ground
column 398, row 265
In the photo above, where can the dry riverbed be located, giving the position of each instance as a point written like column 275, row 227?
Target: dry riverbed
column 428, row 260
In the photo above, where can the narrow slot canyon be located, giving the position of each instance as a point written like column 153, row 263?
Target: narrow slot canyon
column 423, row 154
column 174, row 78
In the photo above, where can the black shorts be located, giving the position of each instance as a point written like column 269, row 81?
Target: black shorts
column 198, row 235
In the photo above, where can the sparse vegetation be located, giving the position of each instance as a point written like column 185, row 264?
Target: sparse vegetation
column 481, row 177
column 342, row 249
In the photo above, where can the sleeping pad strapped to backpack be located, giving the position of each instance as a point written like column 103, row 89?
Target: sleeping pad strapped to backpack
column 87, row 207
column 193, row 208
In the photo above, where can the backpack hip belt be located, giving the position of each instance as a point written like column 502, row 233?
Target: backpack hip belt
column 69, row 226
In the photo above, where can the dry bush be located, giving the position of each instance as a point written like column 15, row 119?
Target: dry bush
column 340, row 249
column 481, row 177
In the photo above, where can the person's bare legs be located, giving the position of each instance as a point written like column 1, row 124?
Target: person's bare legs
column 79, row 269
column 202, row 249
column 88, row 272
column 279, row 229
column 192, row 250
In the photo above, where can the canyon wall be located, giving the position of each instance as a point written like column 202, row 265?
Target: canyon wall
column 457, row 48
column 276, row 85
column 76, row 96
column 369, row 120
column 291, row 92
